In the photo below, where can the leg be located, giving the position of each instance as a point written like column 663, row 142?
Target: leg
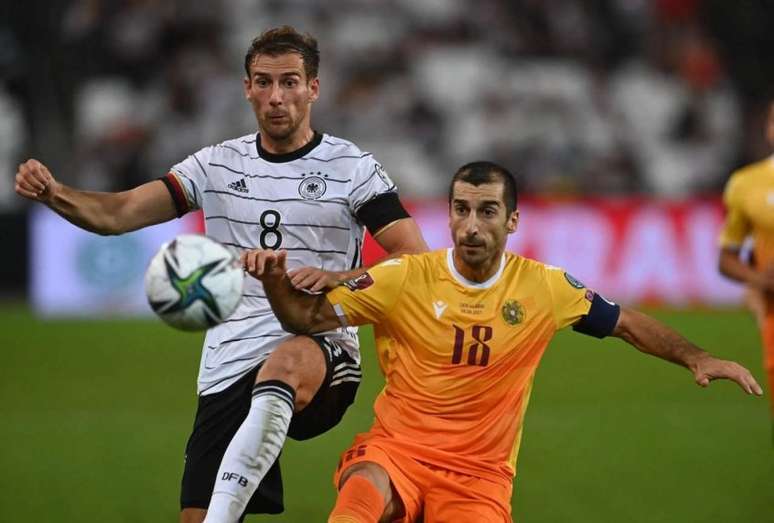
column 192, row 515
column 768, row 356
column 460, row 497
column 286, row 383
column 218, row 417
column 756, row 303
column 365, row 495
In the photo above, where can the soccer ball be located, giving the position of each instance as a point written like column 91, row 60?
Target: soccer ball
column 194, row 282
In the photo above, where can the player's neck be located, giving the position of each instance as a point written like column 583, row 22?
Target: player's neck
column 478, row 274
column 292, row 143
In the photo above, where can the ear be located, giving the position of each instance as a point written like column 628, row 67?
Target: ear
column 513, row 222
column 314, row 89
column 246, row 85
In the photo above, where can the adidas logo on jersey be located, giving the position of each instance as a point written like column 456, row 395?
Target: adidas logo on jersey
column 239, row 186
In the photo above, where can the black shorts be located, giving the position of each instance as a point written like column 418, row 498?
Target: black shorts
column 219, row 415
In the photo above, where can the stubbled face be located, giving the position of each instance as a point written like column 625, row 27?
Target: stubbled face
column 770, row 126
column 281, row 96
column 480, row 223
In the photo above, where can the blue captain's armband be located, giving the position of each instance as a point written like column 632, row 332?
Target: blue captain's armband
column 601, row 318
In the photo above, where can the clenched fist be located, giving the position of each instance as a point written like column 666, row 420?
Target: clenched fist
column 34, row 181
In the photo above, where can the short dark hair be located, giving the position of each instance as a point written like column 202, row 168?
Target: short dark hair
column 477, row 173
column 283, row 40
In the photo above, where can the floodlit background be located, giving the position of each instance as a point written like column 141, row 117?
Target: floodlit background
column 622, row 119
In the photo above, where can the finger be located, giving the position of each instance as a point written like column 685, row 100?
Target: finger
column 282, row 260
column 307, row 282
column 754, row 386
column 47, row 176
column 250, row 263
column 24, row 192
column 25, row 185
column 30, row 181
column 320, row 284
column 703, row 380
column 260, row 263
column 33, row 169
column 297, row 275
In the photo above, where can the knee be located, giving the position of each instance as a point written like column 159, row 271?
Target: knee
column 299, row 363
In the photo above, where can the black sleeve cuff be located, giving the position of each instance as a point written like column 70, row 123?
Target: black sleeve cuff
column 380, row 211
column 600, row 320
column 176, row 192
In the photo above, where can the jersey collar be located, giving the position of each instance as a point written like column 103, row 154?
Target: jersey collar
column 466, row 282
column 287, row 157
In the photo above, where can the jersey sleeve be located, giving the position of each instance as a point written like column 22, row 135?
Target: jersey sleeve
column 737, row 226
column 370, row 297
column 370, row 181
column 187, row 181
column 574, row 304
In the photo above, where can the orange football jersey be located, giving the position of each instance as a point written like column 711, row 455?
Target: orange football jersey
column 749, row 201
column 459, row 357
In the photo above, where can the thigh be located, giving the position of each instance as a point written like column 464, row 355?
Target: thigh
column 218, row 416
column 334, row 396
column 457, row 497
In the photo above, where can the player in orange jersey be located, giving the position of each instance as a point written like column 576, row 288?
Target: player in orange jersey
column 459, row 335
column 749, row 200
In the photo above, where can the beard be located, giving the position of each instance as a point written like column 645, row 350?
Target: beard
column 473, row 252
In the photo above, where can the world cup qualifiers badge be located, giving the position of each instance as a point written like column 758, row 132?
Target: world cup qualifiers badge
column 312, row 188
column 361, row 282
column 513, row 312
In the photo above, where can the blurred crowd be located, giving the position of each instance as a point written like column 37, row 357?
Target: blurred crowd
column 595, row 97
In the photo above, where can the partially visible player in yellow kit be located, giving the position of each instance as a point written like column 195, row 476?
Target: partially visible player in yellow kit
column 459, row 335
column 749, row 201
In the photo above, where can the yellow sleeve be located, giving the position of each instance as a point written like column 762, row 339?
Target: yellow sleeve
column 736, row 226
column 372, row 295
column 570, row 298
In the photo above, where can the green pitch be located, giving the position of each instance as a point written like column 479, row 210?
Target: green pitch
column 94, row 417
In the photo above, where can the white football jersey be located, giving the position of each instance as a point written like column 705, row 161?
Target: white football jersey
column 304, row 202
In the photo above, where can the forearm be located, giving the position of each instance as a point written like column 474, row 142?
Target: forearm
column 92, row 211
column 732, row 267
column 297, row 311
column 653, row 337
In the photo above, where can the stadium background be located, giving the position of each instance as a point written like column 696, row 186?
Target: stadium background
column 622, row 118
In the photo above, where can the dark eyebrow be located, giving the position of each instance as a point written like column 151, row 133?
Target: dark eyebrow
column 283, row 75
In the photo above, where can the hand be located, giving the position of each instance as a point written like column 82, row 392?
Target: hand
column 764, row 279
column 265, row 264
column 34, row 181
column 709, row 368
column 313, row 279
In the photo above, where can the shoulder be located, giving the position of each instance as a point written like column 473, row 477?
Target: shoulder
column 241, row 147
column 334, row 148
column 749, row 173
column 515, row 263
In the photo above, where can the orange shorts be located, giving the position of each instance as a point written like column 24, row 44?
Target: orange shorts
column 430, row 493
column 768, row 354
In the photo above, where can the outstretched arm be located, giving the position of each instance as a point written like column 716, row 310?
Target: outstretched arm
column 397, row 238
column 99, row 212
column 297, row 311
column 731, row 266
column 655, row 338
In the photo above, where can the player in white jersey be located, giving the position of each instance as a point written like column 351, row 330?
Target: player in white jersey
column 286, row 187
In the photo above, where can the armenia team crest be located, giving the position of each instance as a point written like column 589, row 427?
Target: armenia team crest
column 513, row 312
